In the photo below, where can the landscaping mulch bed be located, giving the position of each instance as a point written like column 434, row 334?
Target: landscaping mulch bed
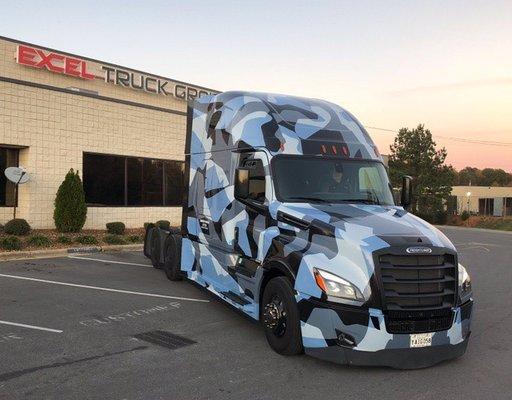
column 477, row 221
column 85, row 237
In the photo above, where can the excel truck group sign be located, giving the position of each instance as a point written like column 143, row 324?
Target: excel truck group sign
column 83, row 69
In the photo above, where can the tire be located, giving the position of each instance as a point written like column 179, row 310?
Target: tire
column 172, row 257
column 278, row 298
column 155, row 249
column 147, row 240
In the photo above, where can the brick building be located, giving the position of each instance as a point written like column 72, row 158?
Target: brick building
column 123, row 129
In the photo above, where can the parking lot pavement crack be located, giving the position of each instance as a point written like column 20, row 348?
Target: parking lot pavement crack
column 16, row 374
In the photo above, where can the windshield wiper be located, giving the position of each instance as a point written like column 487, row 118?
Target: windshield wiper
column 316, row 199
column 365, row 201
column 374, row 196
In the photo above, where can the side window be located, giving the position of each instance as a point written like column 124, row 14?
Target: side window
column 256, row 179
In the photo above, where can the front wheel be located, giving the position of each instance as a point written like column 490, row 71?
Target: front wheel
column 280, row 317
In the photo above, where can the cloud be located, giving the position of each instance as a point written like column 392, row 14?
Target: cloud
column 455, row 86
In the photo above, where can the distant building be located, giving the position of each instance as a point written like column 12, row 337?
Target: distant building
column 482, row 200
column 385, row 159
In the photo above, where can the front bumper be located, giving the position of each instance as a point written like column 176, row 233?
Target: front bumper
column 405, row 358
column 365, row 340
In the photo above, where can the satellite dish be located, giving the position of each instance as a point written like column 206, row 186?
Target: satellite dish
column 17, row 175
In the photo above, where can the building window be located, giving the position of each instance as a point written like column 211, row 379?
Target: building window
column 486, row 206
column 132, row 181
column 8, row 158
column 508, row 207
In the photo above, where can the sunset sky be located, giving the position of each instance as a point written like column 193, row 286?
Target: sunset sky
column 447, row 64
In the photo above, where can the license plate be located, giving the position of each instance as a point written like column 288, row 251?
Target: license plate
column 421, row 339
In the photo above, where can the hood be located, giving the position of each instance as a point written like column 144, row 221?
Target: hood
column 391, row 224
column 342, row 239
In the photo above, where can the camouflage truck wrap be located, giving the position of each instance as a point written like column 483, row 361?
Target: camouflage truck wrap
column 403, row 286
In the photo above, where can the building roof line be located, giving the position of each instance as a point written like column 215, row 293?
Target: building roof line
column 104, row 62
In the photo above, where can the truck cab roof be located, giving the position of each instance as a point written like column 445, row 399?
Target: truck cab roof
column 281, row 124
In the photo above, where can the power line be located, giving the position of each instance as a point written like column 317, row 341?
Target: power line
column 453, row 138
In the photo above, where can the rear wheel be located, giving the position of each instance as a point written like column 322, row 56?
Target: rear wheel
column 155, row 248
column 172, row 257
column 280, row 317
column 147, row 240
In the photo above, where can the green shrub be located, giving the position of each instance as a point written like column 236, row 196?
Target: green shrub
column 425, row 217
column 39, row 241
column 163, row 224
column 441, row 217
column 70, row 208
column 464, row 216
column 147, row 224
column 86, row 239
column 1, row 228
column 114, row 239
column 10, row 243
column 17, row 227
column 63, row 239
column 135, row 239
column 116, row 228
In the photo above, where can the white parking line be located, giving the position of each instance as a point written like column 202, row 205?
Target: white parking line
column 104, row 289
column 39, row 328
column 109, row 261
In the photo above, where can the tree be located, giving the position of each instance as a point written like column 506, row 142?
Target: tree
column 485, row 177
column 469, row 176
column 494, row 177
column 70, row 208
column 414, row 153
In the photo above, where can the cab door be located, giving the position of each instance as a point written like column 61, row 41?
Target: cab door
column 255, row 206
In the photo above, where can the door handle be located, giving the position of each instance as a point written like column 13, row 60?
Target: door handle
column 205, row 225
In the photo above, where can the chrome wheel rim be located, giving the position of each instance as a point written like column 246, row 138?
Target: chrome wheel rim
column 275, row 316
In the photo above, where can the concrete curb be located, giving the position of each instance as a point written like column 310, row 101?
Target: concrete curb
column 469, row 229
column 52, row 253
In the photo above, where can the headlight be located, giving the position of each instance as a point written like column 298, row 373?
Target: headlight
column 464, row 282
column 333, row 285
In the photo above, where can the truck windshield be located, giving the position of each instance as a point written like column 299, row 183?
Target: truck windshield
column 329, row 180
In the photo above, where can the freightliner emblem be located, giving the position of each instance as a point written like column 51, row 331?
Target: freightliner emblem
column 419, row 250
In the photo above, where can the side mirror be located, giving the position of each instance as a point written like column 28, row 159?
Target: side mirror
column 406, row 191
column 242, row 183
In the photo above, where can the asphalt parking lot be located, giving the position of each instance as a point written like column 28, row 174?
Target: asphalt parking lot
column 87, row 319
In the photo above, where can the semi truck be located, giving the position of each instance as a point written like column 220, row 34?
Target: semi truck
column 289, row 216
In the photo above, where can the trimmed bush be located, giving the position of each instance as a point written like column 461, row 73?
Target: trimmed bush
column 70, row 208
column 63, row 239
column 10, row 243
column 17, row 227
column 1, row 228
column 39, row 241
column 114, row 239
column 135, row 239
column 86, row 239
column 116, row 228
column 147, row 224
column 163, row 224
column 464, row 216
